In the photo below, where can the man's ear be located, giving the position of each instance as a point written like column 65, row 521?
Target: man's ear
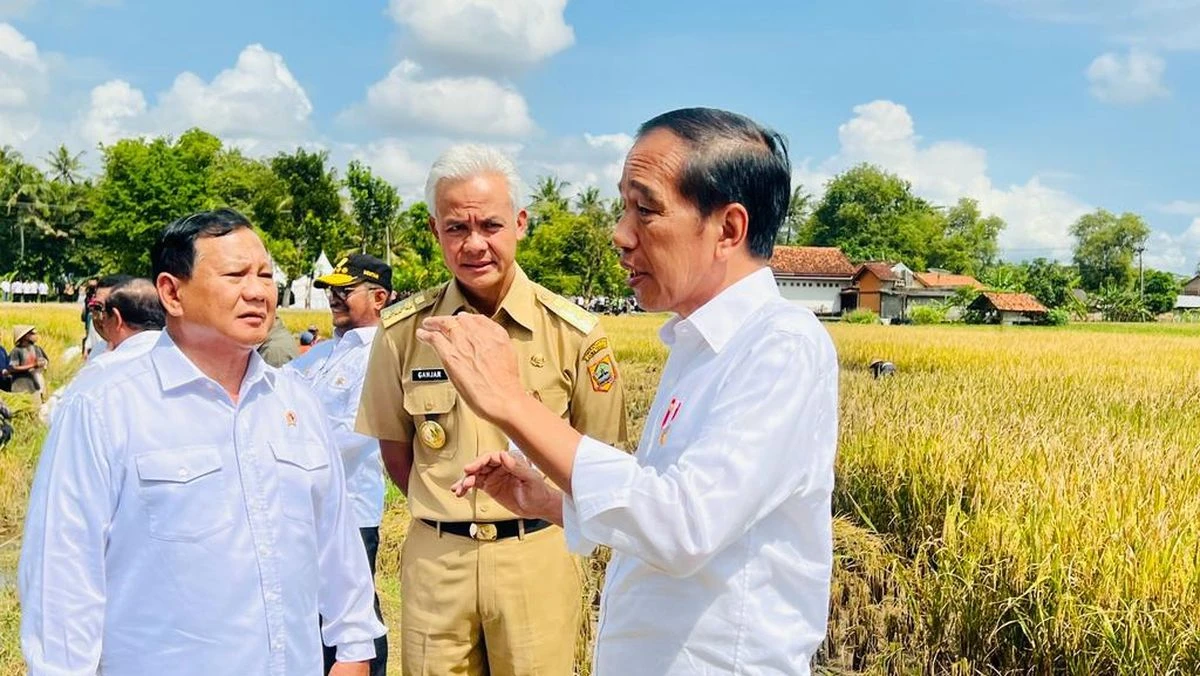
column 170, row 289
column 522, row 224
column 735, row 230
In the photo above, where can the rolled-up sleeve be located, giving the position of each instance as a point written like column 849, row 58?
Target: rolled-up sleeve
column 61, row 574
column 770, row 433
column 347, row 591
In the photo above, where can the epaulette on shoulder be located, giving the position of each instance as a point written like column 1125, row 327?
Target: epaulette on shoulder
column 581, row 319
column 409, row 307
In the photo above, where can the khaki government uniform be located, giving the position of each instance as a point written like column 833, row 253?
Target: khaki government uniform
column 478, row 604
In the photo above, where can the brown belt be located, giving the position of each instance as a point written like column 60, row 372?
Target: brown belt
column 488, row 530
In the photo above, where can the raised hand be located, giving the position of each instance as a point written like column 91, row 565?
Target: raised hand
column 513, row 483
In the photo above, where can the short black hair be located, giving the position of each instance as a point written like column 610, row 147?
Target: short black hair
column 112, row 281
column 175, row 251
column 732, row 159
column 137, row 301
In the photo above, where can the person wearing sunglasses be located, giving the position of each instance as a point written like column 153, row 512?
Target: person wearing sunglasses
column 358, row 289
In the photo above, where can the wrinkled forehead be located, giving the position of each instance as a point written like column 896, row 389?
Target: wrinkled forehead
column 484, row 195
column 240, row 247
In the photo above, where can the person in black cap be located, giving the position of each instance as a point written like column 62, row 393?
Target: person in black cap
column 358, row 288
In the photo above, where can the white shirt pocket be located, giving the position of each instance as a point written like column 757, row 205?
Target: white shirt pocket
column 302, row 467
column 184, row 493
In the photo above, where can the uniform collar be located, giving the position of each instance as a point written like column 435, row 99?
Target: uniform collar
column 718, row 320
column 360, row 336
column 518, row 303
column 175, row 370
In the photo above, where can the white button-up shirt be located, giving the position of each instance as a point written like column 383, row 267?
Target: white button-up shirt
column 94, row 369
column 171, row 531
column 336, row 370
column 720, row 525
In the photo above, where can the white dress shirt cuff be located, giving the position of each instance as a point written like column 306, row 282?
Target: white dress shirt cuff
column 356, row 652
column 572, row 529
column 601, row 479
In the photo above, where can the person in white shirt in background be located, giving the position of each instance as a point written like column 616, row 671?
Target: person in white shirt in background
column 130, row 319
column 190, row 516
column 720, row 525
column 43, row 290
column 358, row 288
column 95, row 343
column 5, row 290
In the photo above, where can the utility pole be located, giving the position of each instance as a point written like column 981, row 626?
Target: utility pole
column 1141, row 248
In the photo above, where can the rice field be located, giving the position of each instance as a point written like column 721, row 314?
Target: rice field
column 1011, row 501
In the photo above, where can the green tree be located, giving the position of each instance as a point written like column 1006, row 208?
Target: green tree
column 797, row 224
column 1162, row 289
column 65, row 167
column 1105, row 245
column 417, row 262
column 1050, row 282
column 375, row 206
column 874, row 215
column 968, row 244
column 548, row 197
column 145, row 185
column 314, row 221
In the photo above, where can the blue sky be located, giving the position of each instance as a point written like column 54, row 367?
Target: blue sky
column 1040, row 109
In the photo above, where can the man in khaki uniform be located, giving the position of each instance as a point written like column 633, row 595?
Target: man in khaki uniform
column 483, row 591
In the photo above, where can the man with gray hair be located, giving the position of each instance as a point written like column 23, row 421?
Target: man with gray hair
column 483, row 592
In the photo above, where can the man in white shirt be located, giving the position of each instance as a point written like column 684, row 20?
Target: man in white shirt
column 5, row 290
column 358, row 288
column 43, row 290
column 130, row 318
column 720, row 524
column 190, row 517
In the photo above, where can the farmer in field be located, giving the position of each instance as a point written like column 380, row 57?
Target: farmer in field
column 720, row 524
column 483, row 592
column 358, row 288
column 27, row 363
column 190, row 517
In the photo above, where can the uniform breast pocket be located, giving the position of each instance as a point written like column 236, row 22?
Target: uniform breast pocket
column 432, row 410
column 303, row 468
column 184, row 493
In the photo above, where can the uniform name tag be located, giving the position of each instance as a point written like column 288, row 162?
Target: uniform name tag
column 429, row 375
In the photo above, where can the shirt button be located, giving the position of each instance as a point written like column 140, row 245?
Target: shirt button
column 483, row 508
column 429, row 406
column 182, row 473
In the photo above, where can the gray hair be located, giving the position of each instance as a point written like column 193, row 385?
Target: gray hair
column 467, row 160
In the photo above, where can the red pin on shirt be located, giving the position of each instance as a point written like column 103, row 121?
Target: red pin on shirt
column 668, row 418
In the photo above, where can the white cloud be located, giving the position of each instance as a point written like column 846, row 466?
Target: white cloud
column 1180, row 208
column 488, row 35
column 403, row 102
column 883, row 133
column 1174, row 253
column 24, row 82
column 588, row 160
column 257, row 105
column 114, row 106
column 393, row 159
column 1135, row 77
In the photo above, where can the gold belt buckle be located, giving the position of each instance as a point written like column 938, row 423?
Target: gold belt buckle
column 483, row 531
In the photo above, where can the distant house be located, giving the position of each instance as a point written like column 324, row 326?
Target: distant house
column 813, row 276
column 879, row 286
column 1009, row 308
column 1189, row 298
column 938, row 279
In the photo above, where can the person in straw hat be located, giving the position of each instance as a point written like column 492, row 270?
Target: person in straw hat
column 28, row 362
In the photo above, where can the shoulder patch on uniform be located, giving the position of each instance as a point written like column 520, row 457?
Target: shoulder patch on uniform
column 408, row 307
column 571, row 313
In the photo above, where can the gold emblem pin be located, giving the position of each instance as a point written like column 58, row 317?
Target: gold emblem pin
column 432, row 434
column 538, row 360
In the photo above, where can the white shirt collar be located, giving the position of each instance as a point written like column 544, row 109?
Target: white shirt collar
column 175, row 369
column 141, row 338
column 720, row 318
column 363, row 335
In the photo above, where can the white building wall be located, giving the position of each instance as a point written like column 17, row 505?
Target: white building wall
column 822, row 296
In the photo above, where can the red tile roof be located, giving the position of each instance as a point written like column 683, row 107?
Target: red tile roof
column 1014, row 302
column 942, row 280
column 816, row 261
column 880, row 269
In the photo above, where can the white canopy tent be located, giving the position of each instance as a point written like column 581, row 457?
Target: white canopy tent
column 303, row 294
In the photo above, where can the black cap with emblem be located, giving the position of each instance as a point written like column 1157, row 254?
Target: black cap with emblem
column 357, row 268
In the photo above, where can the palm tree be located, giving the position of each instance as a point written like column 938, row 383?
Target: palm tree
column 65, row 167
column 549, row 192
column 26, row 192
column 589, row 201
